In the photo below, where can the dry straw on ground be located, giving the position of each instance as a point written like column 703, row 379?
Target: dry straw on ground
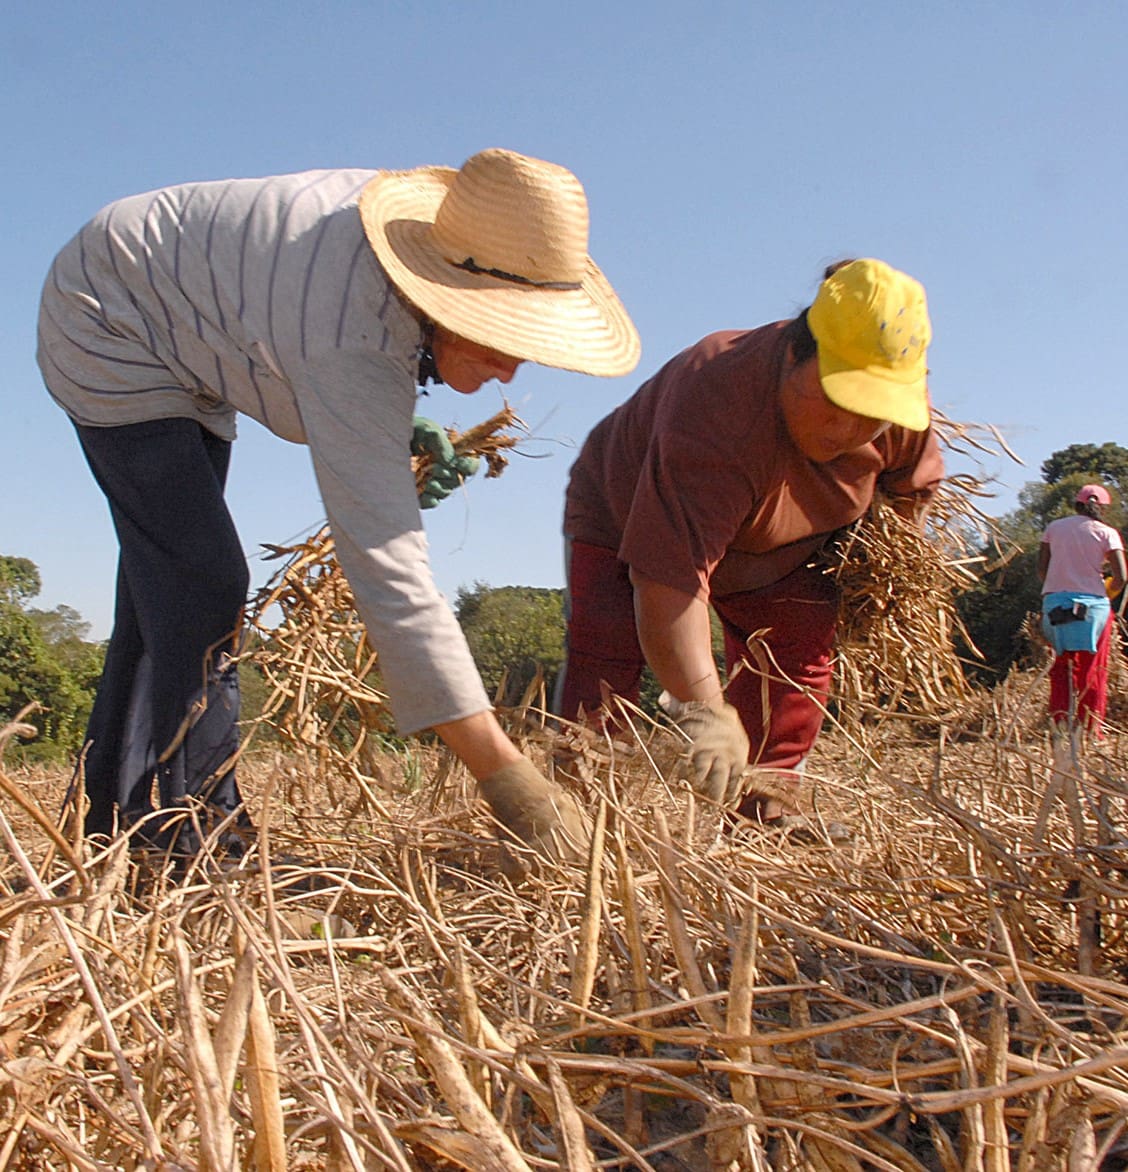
column 364, row 991
column 949, row 990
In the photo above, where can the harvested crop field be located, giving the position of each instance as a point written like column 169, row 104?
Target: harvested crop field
column 947, row 990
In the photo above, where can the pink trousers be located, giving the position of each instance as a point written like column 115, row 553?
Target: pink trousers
column 1079, row 683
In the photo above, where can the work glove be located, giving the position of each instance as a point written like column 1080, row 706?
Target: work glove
column 536, row 813
column 447, row 469
column 718, row 750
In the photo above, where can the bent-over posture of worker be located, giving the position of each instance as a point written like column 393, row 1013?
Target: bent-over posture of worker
column 315, row 303
column 717, row 483
column 1076, row 613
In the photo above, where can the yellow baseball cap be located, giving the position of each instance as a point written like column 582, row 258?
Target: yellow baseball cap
column 870, row 323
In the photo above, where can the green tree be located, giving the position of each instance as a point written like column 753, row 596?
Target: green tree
column 1106, row 464
column 19, row 580
column 45, row 659
column 513, row 631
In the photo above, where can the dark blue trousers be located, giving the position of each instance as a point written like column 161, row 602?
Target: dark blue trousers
column 167, row 707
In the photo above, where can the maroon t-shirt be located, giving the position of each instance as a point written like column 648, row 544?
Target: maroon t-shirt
column 696, row 482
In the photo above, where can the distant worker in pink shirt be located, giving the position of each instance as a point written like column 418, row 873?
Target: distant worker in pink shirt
column 1075, row 553
column 718, row 483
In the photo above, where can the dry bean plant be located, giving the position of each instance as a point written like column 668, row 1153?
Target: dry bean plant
column 948, row 990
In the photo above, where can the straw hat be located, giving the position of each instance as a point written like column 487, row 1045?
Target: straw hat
column 497, row 253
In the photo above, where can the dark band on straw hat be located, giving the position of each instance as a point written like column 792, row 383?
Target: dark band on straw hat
column 469, row 266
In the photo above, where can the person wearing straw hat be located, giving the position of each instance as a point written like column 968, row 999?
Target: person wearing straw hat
column 718, row 483
column 1073, row 556
column 315, row 303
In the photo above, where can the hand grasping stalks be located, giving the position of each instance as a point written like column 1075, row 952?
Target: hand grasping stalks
column 490, row 440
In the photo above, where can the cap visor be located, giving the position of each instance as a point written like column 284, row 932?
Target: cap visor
column 872, row 392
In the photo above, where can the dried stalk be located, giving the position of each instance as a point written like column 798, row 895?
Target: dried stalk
column 842, row 1006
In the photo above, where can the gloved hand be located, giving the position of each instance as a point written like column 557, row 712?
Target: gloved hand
column 448, row 470
column 536, row 813
column 718, row 751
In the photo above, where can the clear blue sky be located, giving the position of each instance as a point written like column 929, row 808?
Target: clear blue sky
column 729, row 151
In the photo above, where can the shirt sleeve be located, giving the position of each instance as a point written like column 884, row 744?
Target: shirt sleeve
column 357, row 409
column 914, row 465
column 692, row 496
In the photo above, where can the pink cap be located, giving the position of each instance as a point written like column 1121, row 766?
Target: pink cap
column 1093, row 492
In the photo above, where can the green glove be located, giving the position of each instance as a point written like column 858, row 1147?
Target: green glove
column 448, row 470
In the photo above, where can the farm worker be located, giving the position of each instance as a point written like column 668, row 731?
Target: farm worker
column 316, row 304
column 1072, row 558
column 718, row 483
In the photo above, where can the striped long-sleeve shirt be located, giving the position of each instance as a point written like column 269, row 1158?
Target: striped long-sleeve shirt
column 263, row 297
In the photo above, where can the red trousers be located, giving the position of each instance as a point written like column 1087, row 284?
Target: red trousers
column 1079, row 683
column 783, row 679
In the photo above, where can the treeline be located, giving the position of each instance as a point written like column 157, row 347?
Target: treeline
column 46, row 660
column 516, row 633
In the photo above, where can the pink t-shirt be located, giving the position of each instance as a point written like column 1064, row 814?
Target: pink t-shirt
column 1079, row 548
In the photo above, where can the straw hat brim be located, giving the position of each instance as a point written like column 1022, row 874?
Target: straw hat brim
column 585, row 329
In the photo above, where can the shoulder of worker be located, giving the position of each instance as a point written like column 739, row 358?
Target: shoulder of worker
column 732, row 345
column 732, row 359
column 306, row 194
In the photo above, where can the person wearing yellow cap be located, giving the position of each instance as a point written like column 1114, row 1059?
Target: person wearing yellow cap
column 316, row 304
column 717, row 484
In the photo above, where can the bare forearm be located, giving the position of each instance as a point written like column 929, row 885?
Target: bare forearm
column 674, row 633
column 479, row 743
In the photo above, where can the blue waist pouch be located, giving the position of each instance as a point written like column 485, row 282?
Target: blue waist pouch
column 1074, row 622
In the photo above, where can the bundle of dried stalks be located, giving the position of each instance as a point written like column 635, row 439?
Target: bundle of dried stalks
column 932, row 996
column 323, row 700
column 897, row 614
column 946, row 992
column 897, row 619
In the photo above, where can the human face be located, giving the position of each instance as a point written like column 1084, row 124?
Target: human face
column 465, row 365
column 822, row 430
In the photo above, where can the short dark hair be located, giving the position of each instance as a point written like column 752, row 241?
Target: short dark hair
column 798, row 330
